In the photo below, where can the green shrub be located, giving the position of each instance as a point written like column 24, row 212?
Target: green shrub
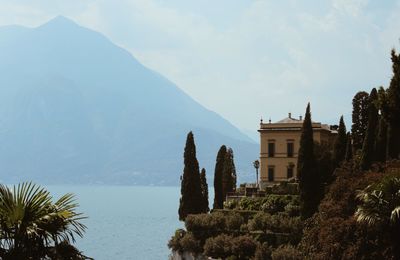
column 174, row 242
column 284, row 188
column 189, row 243
column 259, row 222
column 234, row 222
column 291, row 227
column 250, row 203
column 225, row 246
column 218, row 247
column 274, row 204
column 292, row 210
column 287, row 252
column 270, row 203
column 243, row 247
column 263, row 252
column 246, row 214
column 231, row 204
column 203, row 226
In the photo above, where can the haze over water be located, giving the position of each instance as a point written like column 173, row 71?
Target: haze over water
column 126, row 222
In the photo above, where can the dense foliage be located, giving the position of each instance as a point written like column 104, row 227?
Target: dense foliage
column 251, row 229
column 333, row 233
column 380, row 208
column 270, row 204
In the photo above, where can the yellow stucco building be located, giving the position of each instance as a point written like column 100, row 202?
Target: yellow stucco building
column 280, row 143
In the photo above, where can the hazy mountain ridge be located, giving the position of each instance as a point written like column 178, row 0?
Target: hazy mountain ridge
column 76, row 108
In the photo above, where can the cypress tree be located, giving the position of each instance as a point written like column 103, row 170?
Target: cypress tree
column 234, row 176
column 309, row 181
column 339, row 150
column 368, row 150
column 228, row 174
column 349, row 148
column 191, row 201
column 204, row 190
column 393, row 144
column 383, row 103
column 381, row 142
column 219, row 168
column 360, row 119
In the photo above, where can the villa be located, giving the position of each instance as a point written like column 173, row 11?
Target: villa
column 279, row 146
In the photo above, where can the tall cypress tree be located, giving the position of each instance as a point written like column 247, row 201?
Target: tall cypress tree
column 309, row 181
column 368, row 150
column 360, row 119
column 234, row 176
column 191, row 201
column 219, row 168
column 394, row 109
column 228, row 174
column 383, row 105
column 349, row 148
column 381, row 142
column 339, row 150
column 204, row 190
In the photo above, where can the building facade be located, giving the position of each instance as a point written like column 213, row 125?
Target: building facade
column 280, row 143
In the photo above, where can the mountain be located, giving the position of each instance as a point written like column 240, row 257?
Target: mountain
column 76, row 108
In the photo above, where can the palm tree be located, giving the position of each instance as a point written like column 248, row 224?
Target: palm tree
column 33, row 227
column 380, row 207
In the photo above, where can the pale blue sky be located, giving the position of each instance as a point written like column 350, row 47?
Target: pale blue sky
column 245, row 59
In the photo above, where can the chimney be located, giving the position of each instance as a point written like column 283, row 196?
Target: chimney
column 290, row 115
column 301, row 118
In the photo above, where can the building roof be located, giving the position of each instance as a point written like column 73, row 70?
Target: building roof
column 289, row 120
column 290, row 123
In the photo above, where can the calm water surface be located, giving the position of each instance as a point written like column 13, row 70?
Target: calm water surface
column 126, row 222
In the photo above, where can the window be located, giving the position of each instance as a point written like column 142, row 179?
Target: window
column 290, row 149
column 271, row 174
column 290, row 171
column 271, row 149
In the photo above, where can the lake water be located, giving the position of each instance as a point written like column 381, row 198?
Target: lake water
column 126, row 222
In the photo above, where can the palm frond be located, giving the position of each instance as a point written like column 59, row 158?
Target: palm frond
column 29, row 219
column 380, row 203
column 395, row 216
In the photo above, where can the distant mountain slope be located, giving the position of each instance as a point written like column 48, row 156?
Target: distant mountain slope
column 75, row 108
